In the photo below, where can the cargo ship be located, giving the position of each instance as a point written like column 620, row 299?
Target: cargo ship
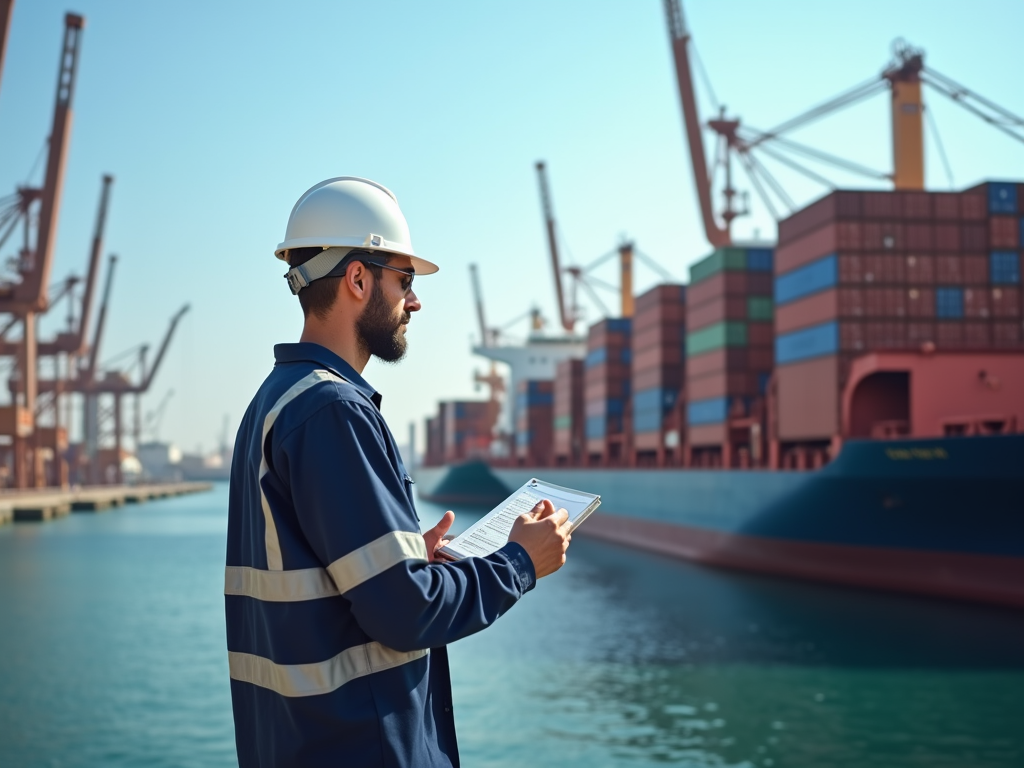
column 845, row 404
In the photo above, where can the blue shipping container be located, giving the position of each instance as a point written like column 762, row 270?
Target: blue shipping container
column 810, row 278
column 646, row 421
column 949, row 303
column 760, row 259
column 1004, row 266
column 596, row 357
column 523, row 439
column 816, row 341
column 712, row 411
column 656, row 399
column 1002, row 197
column 619, row 324
column 595, row 427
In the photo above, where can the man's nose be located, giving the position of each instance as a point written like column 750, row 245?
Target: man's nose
column 412, row 302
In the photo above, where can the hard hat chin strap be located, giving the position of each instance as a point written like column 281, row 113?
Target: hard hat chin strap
column 319, row 266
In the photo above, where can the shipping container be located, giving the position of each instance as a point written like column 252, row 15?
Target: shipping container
column 814, row 309
column 1004, row 268
column 727, row 334
column 1003, row 232
column 947, row 237
column 816, row 341
column 1006, row 302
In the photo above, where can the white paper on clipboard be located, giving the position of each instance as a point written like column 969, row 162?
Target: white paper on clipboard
column 490, row 533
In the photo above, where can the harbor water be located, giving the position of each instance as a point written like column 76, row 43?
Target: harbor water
column 112, row 653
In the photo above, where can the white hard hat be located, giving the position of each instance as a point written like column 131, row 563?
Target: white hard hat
column 350, row 212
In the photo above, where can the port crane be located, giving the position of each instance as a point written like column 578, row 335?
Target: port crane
column 25, row 297
column 735, row 141
column 6, row 10
column 569, row 311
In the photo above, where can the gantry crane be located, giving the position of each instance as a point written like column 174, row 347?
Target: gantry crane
column 903, row 78
column 6, row 11
column 37, row 210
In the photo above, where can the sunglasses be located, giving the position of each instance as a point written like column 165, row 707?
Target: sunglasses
column 409, row 274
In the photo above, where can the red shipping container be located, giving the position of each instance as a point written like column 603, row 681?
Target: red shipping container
column 851, row 336
column 722, row 284
column 921, row 302
column 760, row 284
column 895, row 302
column 948, row 270
column 975, row 269
column 882, row 205
column 851, row 269
column 849, row 236
column 848, row 205
column 806, row 248
column 760, row 334
column 715, row 311
column 803, row 221
column 851, row 302
column 977, row 336
column 920, row 237
column 949, row 335
column 976, row 302
column 761, row 358
column 884, row 236
column 916, row 205
column 888, row 334
column 947, row 237
column 1006, row 302
column 946, row 205
column 919, row 269
column 810, row 310
column 974, row 237
column 920, row 333
column 1003, row 232
column 884, row 268
column 874, row 302
column 973, row 207
column 1006, row 335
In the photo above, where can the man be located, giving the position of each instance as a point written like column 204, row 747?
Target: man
column 338, row 610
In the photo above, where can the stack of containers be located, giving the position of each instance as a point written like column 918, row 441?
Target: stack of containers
column 729, row 337
column 534, row 420
column 659, row 346
column 467, row 426
column 858, row 272
column 606, row 390
column 435, row 442
column 568, row 422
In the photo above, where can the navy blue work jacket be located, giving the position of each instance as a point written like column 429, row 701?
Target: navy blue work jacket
column 336, row 621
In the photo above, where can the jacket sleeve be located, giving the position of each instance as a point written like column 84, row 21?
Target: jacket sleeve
column 356, row 512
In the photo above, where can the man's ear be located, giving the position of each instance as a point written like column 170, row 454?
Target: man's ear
column 355, row 279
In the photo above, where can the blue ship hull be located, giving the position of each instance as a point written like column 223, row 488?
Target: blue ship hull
column 942, row 517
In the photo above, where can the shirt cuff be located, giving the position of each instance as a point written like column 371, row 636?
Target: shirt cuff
column 522, row 563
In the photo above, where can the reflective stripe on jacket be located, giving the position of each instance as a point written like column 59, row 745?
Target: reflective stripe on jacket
column 336, row 622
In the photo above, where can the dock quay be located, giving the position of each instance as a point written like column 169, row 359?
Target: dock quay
column 47, row 503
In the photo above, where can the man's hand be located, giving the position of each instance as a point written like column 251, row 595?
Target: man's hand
column 434, row 538
column 544, row 534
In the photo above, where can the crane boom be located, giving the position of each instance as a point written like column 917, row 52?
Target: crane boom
column 680, row 38
column 101, row 320
column 485, row 340
column 151, row 374
column 549, row 221
column 94, row 266
column 6, row 11
column 32, row 290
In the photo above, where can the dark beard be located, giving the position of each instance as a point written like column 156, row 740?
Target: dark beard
column 379, row 333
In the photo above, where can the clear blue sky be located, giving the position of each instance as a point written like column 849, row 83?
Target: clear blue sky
column 216, row 116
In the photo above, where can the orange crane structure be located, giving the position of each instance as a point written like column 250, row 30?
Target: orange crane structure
column 903, row 78
column 27, row 297
column 6, row 11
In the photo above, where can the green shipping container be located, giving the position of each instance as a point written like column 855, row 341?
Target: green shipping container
column 727, row 334
column 563, row 422
column 760, row 308
column 730, row 259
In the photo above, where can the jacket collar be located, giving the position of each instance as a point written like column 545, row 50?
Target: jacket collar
column 308, row 352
